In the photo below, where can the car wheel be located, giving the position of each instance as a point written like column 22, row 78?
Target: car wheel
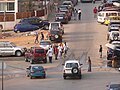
column 18, row 53
column 45, row 60
column 64, row 77
column 75, row 70
column 44, row 76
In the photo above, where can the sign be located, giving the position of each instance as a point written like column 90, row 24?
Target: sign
column 4, row 65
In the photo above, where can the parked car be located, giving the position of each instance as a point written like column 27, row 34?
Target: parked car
column 56, row 25
column 55, row 36
column 113, row 86
column 112, row 50
column 45, row 44
column 22, row 27
column 114, row 35
column 35, row 55
column 36, row 71
column 65, row 7
column 9, row 48
column 69, row 3
column 72, row 68
column 69, row 14
column 61, row 17
column 31, row 22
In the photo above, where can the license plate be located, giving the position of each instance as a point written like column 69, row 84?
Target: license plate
column 60, row 17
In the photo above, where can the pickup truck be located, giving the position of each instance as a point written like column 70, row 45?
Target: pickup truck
column 35, row 55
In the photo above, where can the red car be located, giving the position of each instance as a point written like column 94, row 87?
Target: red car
column 35, row 55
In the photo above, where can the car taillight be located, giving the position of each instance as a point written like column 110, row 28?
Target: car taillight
column 32, row 72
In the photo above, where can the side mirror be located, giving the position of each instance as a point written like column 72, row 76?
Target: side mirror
column 81, row 64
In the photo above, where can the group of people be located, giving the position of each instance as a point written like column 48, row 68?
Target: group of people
column 77, row 13
column 37, row 37
column 58, row 51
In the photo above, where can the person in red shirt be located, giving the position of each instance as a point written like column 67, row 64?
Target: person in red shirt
column 56, row 52
column 95, row 12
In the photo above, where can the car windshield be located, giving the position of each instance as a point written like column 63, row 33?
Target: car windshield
column 54, row 25
column 44, row 43
column 54, row 32
column 114, row 23
column 115, row 87
column 60, row 15
column 113, row 30
column 66, row 3
column 13, row 44
column 39, row 51
column 71, row 65
column 37, row 68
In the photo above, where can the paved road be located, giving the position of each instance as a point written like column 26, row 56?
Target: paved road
column 84, row 38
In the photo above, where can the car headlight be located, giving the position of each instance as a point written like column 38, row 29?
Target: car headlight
column 56, row 36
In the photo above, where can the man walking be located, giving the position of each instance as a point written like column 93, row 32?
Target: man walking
column 50, row 54
column 100, row 51
column 95, row 12
column 75, row 14
column 42, row 36
column 79, row 14
column 36, row 38
column 56, row 52
column 89, row 64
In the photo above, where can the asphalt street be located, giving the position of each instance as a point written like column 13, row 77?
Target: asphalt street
column 83, row 37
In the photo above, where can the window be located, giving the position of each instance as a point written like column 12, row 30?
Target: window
column 1, row 6
column 10, row 6
column 71, row 65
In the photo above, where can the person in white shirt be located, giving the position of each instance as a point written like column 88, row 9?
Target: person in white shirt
column 50, row 54
column 65, row 49
column 60, row 48
column 79, row 14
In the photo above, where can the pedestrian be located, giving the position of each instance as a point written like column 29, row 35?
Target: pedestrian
column 50, row 54
column 56, row 51
column 75, row 14
column 42, row 36
column 79, row 14
column 65, row 48
column 36, row 38
column 100, row 51
column 95, row 12
column 60, row 48
column 89, row 64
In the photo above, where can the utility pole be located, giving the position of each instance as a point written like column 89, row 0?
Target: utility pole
column 2, row 75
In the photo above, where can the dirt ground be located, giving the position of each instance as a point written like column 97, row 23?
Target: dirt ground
column 22, row 39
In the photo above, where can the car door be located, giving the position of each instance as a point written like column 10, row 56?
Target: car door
column 2, row 49
column 8, row 49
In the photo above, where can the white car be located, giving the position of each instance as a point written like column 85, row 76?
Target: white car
column 9, row 48
column 72, row 68
column 114, row 35
column 45, row 44
column 69, row 3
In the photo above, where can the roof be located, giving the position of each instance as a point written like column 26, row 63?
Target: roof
column 108, row 11
column 72, row 61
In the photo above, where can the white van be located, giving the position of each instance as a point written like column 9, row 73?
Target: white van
column 104, row 14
